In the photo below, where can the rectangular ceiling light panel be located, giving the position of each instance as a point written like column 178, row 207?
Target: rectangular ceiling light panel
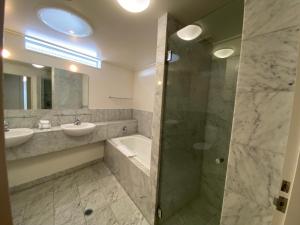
column 55, row 50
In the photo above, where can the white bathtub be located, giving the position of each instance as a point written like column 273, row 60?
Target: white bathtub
column 135, row 147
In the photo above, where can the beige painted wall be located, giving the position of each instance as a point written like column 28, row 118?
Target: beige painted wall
column 110, row 80
column 144, row 88
column 26, row 170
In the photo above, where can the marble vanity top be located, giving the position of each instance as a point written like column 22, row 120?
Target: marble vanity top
column 54, row 139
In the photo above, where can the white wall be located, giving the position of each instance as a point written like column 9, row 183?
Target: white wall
column 144, row 88
column 26, row 170
column 110, row 80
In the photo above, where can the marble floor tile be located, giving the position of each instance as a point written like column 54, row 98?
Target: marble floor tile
column 127, row 213
column 111, row 189
column 94, row 200
column 105, row 215
column 46, row 218
column 63, row 201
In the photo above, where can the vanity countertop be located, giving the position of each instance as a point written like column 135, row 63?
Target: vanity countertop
column 54, row 139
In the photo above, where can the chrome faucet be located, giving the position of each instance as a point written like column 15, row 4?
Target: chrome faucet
column 77, row 121
column 6, row 127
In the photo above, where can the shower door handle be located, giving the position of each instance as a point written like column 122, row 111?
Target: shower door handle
column 169, row 56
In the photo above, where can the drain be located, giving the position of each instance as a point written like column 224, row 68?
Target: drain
column 88, row 212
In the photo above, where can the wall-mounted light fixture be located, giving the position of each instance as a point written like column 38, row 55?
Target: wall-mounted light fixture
column 190, row 32
column 5, row 53
column 38, row 66
column 73, row 68
column 224, row 53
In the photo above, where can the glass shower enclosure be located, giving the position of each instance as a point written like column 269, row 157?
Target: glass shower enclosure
column 198, row 109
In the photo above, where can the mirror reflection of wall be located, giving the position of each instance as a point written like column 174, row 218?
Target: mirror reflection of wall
column 31, row 86
column 25, row 86
column 70, row 89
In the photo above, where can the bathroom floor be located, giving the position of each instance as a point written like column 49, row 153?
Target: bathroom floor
column 63, row 201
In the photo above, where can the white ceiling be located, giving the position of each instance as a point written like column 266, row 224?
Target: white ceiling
column 124, row 39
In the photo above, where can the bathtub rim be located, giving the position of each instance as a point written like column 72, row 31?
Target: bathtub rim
column 133, row 159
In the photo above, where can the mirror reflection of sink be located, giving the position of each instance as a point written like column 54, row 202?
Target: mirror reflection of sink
column 18, row 136
column 78, row 130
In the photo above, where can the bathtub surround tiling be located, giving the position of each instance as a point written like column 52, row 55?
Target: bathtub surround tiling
column 144, row 119
column 62, row 201
column 134, row 180
column 263, row 108
column 30, row 118
column 53, row 140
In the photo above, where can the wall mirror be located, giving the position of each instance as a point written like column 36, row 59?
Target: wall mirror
column 30, row 87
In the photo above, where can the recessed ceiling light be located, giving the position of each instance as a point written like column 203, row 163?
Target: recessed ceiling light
column 73, row 68
column 65, row 22
column 38, row 66
column 189, row 32
column 134, row 6
column 224, row 53
column 5, row 53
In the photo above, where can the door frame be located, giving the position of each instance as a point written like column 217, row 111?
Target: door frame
column 5, row 212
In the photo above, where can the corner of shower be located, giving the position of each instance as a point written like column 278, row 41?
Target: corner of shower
column 199, row 94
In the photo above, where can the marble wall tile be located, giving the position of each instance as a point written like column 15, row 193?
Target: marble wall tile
column 262, row 119
column 266, row 16
column 134, row 180
column 30, row 118
column 254, row 173
column 264, row 101
column 144, row 119
column 117, row 129
column 269, row 62
column 238, row 210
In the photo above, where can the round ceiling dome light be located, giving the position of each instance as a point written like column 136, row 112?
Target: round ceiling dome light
column 65, row 22
column 224, row 53
column 134, row 6
column 189, row 32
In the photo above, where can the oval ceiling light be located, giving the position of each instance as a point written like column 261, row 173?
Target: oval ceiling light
column 224, row 53
column 38, row 66
column 189, row 32
column 134, row 6
column 65, row 22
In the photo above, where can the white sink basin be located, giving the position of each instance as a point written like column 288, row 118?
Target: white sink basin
column 78, row 130
column 15, row 137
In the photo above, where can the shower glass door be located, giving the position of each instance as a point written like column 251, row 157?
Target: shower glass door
column 197, row 118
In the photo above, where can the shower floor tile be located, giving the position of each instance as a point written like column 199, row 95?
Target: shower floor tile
column 64, row 200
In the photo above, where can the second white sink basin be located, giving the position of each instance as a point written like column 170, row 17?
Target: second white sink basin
column 18, row 136
column 78, row 130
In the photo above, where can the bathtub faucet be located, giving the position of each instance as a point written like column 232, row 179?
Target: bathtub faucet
column 124, row 129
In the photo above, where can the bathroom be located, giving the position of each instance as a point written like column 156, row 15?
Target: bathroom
column 150, row 112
